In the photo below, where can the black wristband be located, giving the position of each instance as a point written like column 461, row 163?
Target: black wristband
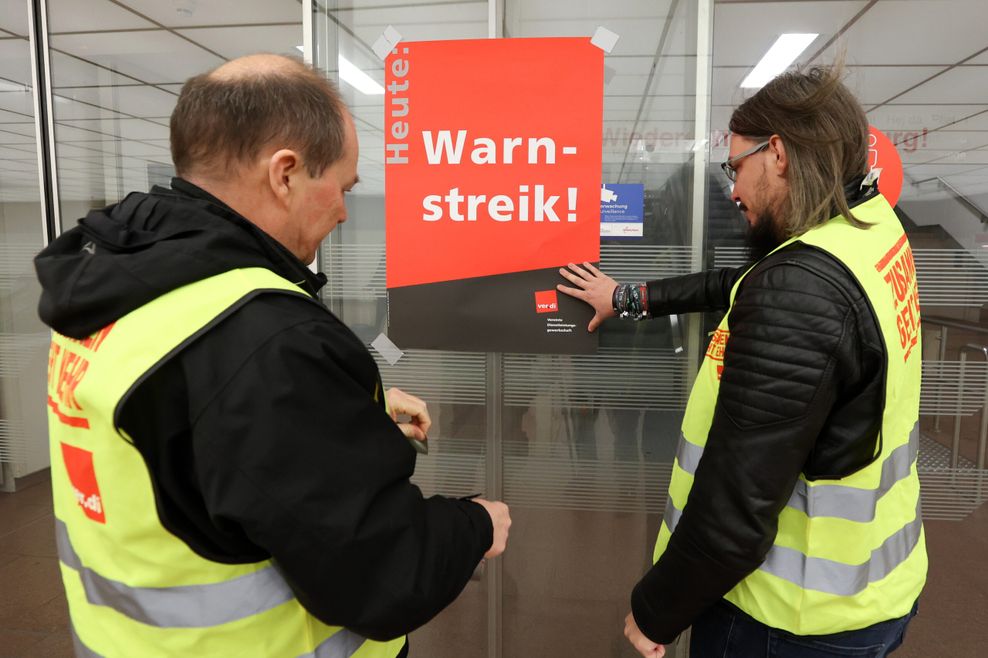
column 630, row 300
column 616, row 302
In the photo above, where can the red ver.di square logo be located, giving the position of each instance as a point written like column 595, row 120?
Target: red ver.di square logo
column 82, row 477
column 546, row 302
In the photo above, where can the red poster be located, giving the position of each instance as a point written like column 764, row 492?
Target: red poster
column 493, row 170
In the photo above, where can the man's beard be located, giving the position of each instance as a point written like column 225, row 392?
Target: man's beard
column 763, row 237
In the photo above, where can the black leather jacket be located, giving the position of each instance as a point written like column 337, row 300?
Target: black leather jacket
column 802, row 391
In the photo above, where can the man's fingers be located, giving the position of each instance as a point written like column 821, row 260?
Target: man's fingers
column 412, row 431
column 422, row 420
column 409, row 401
column 629, row 627
column 642, row 644
column 572, row 278
column 501, row 522
column 593, row 270
column 401, row 403
column 594, row 323
column 646, row 647
column 580, row 272
column 572, row 292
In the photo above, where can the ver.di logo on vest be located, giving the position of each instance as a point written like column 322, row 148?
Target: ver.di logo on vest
column 82, row 476
column 67, row 367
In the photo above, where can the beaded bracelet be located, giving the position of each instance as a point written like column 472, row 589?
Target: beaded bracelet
column 630, row 300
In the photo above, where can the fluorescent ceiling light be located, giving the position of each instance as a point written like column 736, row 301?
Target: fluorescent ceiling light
column 354, row 77
column 778, row 58
column 357, row 78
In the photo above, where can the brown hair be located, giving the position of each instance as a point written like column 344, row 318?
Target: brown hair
column 825, row 133
column 223, row 121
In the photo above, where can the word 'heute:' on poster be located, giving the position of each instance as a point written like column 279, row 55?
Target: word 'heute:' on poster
column 443, row 149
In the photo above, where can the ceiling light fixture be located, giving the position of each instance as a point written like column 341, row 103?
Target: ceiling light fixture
column 778, row 58
column 354, row 77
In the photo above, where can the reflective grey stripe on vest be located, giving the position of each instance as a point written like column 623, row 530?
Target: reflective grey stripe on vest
column 688, row 455
column 849, row 502
column 187, row 606
column 671, row 516
column 829, row 576
column 343, row 644
column 823, row 575
column 825, row 500
column 688, row 458
column 81, row 650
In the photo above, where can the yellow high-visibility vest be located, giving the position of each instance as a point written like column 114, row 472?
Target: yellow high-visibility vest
column 133, row 588
column 849, row 552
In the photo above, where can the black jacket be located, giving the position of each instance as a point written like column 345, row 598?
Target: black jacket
column 802, row 391
column 262, row 437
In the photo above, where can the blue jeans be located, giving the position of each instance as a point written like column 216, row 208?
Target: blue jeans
column 726, row 632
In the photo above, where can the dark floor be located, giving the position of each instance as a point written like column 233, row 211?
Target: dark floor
column 33, row 613
column 541, row 603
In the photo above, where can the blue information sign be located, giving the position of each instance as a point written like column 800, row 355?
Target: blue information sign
column 622, row 209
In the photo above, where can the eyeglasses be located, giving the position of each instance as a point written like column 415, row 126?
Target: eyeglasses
column 728, row 165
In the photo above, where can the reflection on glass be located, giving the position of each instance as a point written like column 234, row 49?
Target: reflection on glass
column 597, row 434
column 454, row 385
column 922, row 101
column 23, row 339
column 117, row 69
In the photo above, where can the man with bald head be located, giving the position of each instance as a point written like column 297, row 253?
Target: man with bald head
column 229, row 476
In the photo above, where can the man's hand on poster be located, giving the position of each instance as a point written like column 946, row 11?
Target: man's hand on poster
column 403, row 404
column 642, row 644
column 594, row 287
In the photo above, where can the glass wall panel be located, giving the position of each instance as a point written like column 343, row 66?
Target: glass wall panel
column 117, row 69
column 453, row 384
column 586, row 442
column 23, row 339
column 587, row 464
column 925, row 89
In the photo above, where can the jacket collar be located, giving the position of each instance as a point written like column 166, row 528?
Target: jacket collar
column 861, row 189
column 285, row 262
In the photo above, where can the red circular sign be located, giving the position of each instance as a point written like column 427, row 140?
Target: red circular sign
column 883, row 155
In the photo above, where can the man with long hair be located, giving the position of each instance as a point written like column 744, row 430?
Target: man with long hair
column 792, row 526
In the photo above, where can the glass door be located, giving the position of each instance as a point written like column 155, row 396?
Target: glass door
column 23, row 339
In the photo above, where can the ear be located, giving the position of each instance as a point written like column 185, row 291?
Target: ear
column 284, row 167
column 780, row 163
